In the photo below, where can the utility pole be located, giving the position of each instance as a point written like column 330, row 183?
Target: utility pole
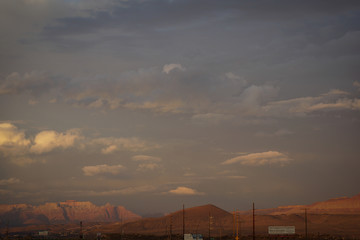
column 210, row 222
column 81, row 232
column 237, row 225
column 196, row 232
column 306, row 230
column 253, row 221
column 183, row 220
column 7, row 230
column 234, row 223
column 170, row 226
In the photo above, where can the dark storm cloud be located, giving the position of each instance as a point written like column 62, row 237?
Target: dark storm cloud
column 246, row 33
column 153, row 15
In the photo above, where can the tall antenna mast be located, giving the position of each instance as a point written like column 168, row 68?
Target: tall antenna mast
column 306, row 230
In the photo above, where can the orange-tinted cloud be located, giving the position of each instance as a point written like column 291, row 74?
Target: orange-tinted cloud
column 185, row 191
column 260, row 159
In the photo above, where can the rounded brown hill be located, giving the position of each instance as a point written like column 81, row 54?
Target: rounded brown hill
column 196, row 221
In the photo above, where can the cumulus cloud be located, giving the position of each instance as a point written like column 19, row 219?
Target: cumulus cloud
column 15, row 146
column 102, row 169
column 9, row 181
column 172, row 66
column 260, row 159
column 23, row 151
column 185, row 191
column 11, row 136
column 146, row 158
column 46, row 141
column 13, row 142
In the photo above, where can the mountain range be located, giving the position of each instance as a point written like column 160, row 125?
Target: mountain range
column 63, row 212
column 340, row 216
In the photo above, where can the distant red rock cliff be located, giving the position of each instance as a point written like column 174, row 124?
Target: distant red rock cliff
column 63, row 212
column 342, row 205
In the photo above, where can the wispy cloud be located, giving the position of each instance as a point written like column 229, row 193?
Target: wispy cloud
column 350, row 104
column 212, row 118
column 170, row 106
column 111, row 144
column 357, row 85
column 278, row 133
column 149, row 163
column 35, row 83
column 236, row 177
column 146, row 158
column 332, row 100
column 260, row 159
column 102, row 169
column 9, row 181
column 23, row 160
column 122, row 191
column 171, row 67
column 149, row 90
column 143, row 167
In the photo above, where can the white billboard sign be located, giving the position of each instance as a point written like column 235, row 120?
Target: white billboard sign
column 279, row 230
column 43, row 233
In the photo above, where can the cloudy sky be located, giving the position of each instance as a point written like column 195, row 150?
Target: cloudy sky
column 154, row 103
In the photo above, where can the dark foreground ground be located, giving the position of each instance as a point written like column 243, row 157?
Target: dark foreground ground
column 116, row 236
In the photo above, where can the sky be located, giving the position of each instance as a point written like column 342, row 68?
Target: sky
column 152, row 104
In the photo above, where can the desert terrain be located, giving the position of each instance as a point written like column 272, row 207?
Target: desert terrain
column 335, row 217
